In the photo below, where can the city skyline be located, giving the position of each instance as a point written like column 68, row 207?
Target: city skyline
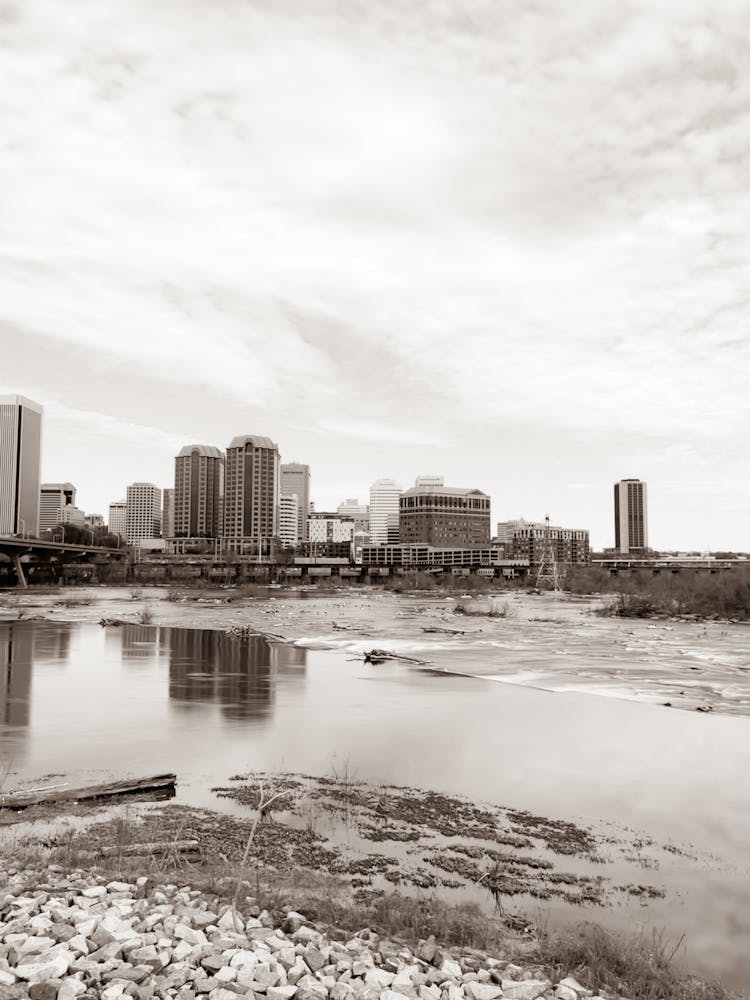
column 509, row 248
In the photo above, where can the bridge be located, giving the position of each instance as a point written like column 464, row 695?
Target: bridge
column 18, row 549
column 668, row 564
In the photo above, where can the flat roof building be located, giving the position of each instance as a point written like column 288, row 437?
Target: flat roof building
column 444, row 516
column 295, row 479
column 53, row 499
column 20, row 460
column 631, row 516
column 384, row 496
column 522, row 539
column 143, row 512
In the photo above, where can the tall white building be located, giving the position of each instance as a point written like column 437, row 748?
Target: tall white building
column 20, row 457
column 384, row 501
column 295, row 478
column 53, row 499
column 288, row 520
column 118, row 518
column 143, row 514
column 631, row 516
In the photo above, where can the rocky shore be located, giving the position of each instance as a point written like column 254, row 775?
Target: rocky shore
column 67, row 934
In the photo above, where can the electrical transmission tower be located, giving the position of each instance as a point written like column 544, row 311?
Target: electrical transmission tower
column 548, row 572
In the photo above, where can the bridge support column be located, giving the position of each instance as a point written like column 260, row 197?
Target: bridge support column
column 19, row 570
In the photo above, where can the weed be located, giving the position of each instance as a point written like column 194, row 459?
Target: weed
column 145, row 616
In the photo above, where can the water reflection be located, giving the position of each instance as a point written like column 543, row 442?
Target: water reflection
column 240, row 675
column 16, row 656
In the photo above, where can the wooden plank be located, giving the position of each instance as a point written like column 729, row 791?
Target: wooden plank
column 161, row 847
column 22, row 800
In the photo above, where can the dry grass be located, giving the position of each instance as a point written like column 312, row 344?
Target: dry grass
column 641, row 966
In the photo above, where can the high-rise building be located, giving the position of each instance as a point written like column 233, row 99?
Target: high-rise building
column 143, row 514
column 526, row 540
column 631, row 516
column 252, row 489
column 118, row 518
column 359, row 511
column 429, row 481
column 198, row 490
column 167, row 512
column 444, row 516
column 20, row 456
column 384, row 496
column 295, row 478
column 53, row 499
column 94, row 521
column 288, row 520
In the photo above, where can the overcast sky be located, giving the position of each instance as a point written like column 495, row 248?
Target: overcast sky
column 503, row 240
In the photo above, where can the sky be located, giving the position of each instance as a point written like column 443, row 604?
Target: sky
column 505, row 241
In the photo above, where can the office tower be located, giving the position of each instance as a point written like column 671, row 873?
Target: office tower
column 143, row 514
column 94, row 521
column 288, row 520
column 198, row 490
column 118, row 517
column 631, row 516
column 167, row 512
column 384, row 495
column 295, row 478
column 444, row 516
column 526, row 540
column 359, row 511
column 53, row 498
column 429, row 481
column 251, row 492
column 20, row 454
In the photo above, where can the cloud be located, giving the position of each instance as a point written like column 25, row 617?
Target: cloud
column 415, row 221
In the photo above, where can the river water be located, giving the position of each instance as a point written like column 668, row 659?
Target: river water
column 578, row 730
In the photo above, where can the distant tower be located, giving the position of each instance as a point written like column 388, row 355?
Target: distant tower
column 295, row 478
column 547, row 572
column 251, row 490
column 384, row 501
column 143, row 513
column 20, row 454
column 631, row 516
column 198, row 489
column 53, row 499
column 167, row 512
column 289, row 520
column 118, row 518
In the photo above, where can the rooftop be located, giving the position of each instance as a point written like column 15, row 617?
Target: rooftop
column 204, row 450
column 443, row 491
column 256, row 440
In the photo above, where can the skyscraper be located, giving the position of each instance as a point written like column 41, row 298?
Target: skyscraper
column 295, row 478
column 143, row 514
column 384, row 497
column 199, row 486
column 20, row 454
column 252, row 489
column 631, row 516
column 118, row 518
column 444, row 516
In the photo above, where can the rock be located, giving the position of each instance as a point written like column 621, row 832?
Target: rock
column 46, row 990
column 572, row 984
column 281, row 992
column 482, row 991
column 184, row 933
column 70, row 989
column 6, row 978
column 379, row 978
column 313, row 958
column 528, row 989
column 426, row 949
column 451, row 968
column 292, row 922
column 565, row 993
column 53, row 967
column 94, row 892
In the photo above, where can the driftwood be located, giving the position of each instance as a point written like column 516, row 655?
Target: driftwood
column 163, row 783
column 160, row 847
column 448, row 631
column 381, row 655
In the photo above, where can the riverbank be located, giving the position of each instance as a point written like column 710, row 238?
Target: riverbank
column 76, row 920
